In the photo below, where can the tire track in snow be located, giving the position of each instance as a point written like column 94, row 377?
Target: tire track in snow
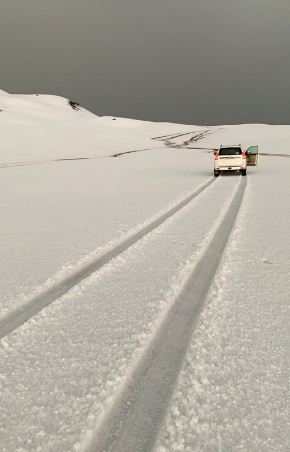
column 175, row 135
column 42, row 297
column 75, row 159
column 266, row 154
column 133, row 422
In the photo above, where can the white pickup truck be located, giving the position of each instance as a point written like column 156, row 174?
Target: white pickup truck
column 230, row 158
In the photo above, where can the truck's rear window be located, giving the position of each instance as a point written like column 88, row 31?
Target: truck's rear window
column 230, row 151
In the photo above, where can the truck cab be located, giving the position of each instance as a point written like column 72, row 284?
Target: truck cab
column 230, row 158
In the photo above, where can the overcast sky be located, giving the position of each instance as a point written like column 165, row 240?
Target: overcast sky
column 187, row 61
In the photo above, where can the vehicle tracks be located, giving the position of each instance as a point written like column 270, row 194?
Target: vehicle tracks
column 174, row 135
column 76, row 159
column 267, row 154
column 34, row 303
column 133, row 422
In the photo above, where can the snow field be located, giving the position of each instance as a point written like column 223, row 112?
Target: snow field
column 233, row 391
column 37, row 128
column 59, row 214
column 68, row 363
column 273, row 139
column 62, row 371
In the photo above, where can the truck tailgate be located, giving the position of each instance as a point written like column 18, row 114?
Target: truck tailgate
column 232, row 161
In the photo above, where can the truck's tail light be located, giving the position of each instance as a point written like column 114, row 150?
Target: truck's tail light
column 244, row 154
column 216, row 155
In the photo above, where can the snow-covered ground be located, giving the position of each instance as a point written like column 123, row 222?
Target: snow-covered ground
column 233, row 391
column 65, row 200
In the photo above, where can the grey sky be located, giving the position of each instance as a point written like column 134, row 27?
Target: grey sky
column 193, row 61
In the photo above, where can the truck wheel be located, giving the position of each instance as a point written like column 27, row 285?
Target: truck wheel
column 216, row 173
column 244, row 172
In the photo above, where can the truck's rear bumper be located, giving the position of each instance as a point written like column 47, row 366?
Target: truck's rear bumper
column 230, row 168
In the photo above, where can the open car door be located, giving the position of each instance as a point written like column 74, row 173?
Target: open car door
column 252, row 154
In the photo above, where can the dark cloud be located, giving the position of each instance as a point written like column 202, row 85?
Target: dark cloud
column 195, row 61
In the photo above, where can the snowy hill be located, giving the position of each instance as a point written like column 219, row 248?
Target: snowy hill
column 141, row 299
column 37, row 127
column 41, row 127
